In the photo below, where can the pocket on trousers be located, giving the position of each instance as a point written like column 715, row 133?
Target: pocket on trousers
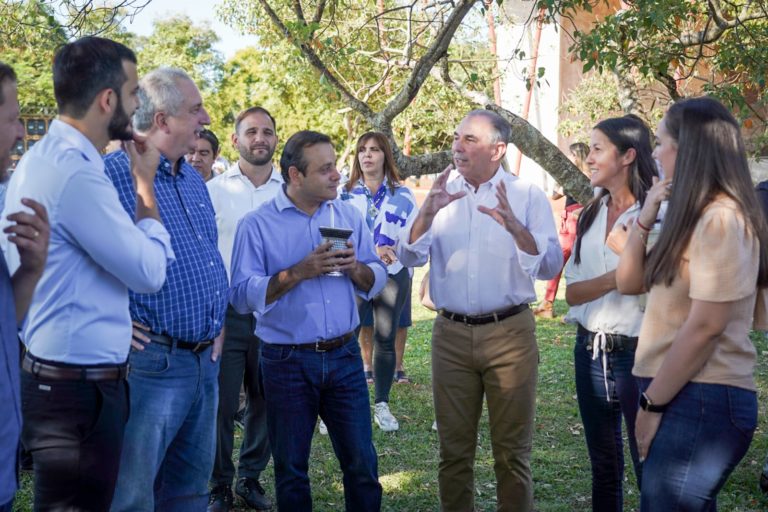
column 352, row 349
column 275, row 354
column 148, row 362
column 742, row 406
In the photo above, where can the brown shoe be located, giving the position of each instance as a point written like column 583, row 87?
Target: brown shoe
column 544, row 310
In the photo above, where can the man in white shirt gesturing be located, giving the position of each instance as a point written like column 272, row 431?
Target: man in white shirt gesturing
column 489, row 236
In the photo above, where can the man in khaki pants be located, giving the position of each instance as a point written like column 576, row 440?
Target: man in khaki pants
column 489, row 235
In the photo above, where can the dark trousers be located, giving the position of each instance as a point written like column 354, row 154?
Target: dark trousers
column 240, row 365
column 387, row 307
column 74, row 431
column 299, row 385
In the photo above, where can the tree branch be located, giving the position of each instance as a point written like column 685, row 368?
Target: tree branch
column 319, row 12
column 537, row 147
column 422, row 68
column 721, row 24
column 361, row 107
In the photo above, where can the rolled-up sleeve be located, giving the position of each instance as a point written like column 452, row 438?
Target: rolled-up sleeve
column 137, row 254
column 541, row 225
column 414, row 254
column 248, row 289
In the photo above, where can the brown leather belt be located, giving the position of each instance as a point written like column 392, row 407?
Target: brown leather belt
column 163, row 339
column 52, row 371
column 321, row 346
column 484, row 319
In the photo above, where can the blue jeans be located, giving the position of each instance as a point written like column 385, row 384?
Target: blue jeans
column 704, row 433
column 170, row 441
column 299, row 385
column 602, row 420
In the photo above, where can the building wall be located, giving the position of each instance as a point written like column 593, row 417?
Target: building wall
column 562, row 73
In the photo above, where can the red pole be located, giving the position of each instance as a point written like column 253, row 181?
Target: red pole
column 531, row 82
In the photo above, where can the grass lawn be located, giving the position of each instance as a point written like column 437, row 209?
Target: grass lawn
column 408, row 458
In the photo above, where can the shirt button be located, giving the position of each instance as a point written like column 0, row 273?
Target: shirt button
column 199, row 237
column 217, row 293
column 327, row 301
column 211, row 263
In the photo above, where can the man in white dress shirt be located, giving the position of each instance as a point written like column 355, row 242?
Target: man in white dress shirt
column 249, row 183
column 489, row 235
column 78, row 329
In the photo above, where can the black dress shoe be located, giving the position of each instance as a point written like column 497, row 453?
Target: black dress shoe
column 764, row 482
column 221, row 499
column 253, row 494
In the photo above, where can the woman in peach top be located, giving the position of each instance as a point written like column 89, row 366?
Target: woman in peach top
column 694, row 360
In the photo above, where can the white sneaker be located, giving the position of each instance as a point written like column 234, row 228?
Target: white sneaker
column 322, row 428
column 434, row 425
column 384, row 418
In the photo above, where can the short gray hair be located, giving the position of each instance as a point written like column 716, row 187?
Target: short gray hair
column 159, row 92
column 501, row 128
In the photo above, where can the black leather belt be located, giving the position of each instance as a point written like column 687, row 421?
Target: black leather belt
column 484, row 319
column 163, row 339
column 53, row 371
column 321, row 346
column 613, row 342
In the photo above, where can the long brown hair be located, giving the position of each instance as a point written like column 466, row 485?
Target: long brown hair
column 390, row 170
column 710, row 160
column 624, row 133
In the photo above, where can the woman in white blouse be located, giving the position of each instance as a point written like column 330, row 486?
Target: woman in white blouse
column 608, row 323
column 374, row 188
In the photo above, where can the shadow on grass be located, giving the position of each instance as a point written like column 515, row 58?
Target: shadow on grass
column 408, row 458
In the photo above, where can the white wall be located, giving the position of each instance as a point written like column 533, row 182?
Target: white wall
column 543, row 111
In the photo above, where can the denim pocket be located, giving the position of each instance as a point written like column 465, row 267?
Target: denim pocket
column 275, row 353
column 351, row 348
column 742, row 406
column 148, row 362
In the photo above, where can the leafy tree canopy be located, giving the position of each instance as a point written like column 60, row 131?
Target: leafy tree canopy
column 715, row 47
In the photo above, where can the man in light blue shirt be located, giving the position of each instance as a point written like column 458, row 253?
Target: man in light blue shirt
column 78, row 330
column 310, row 357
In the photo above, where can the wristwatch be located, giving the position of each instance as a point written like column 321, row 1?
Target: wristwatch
column 647, row 405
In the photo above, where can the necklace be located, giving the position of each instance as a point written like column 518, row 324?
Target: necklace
column 375, row 201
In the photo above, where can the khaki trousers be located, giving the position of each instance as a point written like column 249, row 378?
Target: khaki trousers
column 499, row 361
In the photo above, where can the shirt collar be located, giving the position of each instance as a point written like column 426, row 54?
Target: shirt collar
column 283, row 202
column 77, row 140
column 495, row 179
column 385, row 183
column 166, row 166
column 604, row 201
column 234, row 171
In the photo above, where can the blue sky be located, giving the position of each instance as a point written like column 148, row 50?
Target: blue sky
column 230, row 42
